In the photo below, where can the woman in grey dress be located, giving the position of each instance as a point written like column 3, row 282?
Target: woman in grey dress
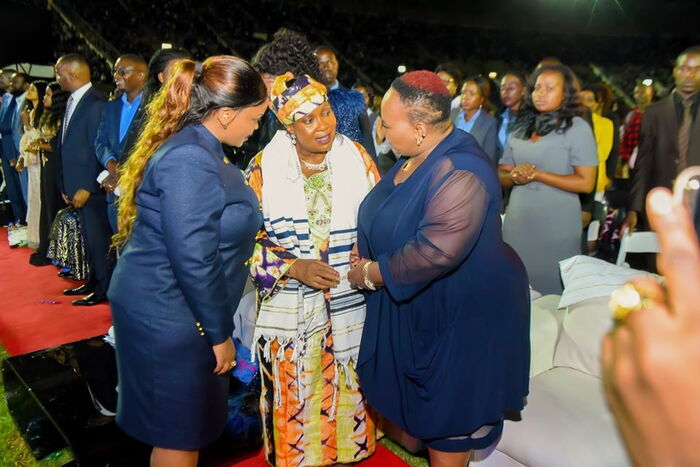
column 549, row 159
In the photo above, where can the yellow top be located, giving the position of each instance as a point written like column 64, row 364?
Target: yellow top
column 603, row 130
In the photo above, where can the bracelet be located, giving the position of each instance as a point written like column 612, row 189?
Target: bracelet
column 365, row 276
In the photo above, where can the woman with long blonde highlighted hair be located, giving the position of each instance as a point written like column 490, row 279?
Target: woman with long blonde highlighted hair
column 187, row 224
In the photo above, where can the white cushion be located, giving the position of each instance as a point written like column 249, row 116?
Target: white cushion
column 545, row 327
column 493, row 458
column 580, row 341
column 566, row 423
column 585, row 277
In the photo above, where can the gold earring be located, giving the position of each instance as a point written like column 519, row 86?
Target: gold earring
column 419, row 141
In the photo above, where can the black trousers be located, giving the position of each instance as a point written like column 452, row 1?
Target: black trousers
column 98, row 233
column 51, row 202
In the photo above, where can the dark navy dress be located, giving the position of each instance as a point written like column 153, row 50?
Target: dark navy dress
column 445, row 349
column 175, row 289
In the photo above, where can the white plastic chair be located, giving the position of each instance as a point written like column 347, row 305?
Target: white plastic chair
column 638, row 242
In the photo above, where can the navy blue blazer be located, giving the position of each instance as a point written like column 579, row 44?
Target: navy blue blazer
column 107, row 144
column 195, row 228
column 77, row 165
column 8, row 149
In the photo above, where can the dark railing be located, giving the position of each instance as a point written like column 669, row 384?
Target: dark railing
column 85, row 31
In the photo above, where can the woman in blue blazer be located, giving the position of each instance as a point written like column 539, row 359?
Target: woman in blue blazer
column 474, row 117
column 187, row 224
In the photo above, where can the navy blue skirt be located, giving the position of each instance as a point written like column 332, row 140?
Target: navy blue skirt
column 169, row 395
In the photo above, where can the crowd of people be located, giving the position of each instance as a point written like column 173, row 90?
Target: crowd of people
column 377, row 232
column 243, row 25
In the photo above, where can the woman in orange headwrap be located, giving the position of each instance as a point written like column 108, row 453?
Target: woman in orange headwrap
column 310, row 182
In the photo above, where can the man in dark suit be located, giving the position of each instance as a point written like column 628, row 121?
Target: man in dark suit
column 78, row 168
column 669, row 140
column 8, row 151
column 130, row 73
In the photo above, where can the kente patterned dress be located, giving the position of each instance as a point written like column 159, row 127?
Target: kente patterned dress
column 314, row 412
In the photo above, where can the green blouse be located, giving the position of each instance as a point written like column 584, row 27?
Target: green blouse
column 317, row 190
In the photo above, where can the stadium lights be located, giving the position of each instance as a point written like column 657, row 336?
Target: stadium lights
column 166, row 45
column 648, row 82
column 493, row 75
column 401, row 68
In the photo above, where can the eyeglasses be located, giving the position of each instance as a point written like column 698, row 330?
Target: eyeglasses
column 123, row 70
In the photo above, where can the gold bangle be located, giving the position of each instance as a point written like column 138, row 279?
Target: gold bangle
column 365, row 276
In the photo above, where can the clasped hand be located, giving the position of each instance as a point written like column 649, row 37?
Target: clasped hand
column 356, row 274
column 523, row 174
column 109, row 184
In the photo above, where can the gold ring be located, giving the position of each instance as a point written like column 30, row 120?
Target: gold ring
column 624, row 301
column 233, row 364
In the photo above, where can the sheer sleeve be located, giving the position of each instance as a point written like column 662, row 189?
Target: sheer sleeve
column 447, row 233
column 270, row 262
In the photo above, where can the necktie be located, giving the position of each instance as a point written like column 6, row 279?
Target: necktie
column 684, row 135
column 69, row 111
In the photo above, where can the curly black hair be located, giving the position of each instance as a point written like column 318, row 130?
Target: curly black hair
column 570, row 108
column 51, row 117
column 288, row 51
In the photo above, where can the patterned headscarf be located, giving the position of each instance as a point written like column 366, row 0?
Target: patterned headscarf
column 301, row 98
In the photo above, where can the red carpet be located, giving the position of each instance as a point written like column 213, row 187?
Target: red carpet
column 381, row 458
column 29, row 321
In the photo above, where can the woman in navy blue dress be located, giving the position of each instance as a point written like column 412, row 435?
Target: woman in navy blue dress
column 445, row 347
column 187, row 224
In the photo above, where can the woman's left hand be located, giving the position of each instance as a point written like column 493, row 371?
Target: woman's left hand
column 355, row 274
